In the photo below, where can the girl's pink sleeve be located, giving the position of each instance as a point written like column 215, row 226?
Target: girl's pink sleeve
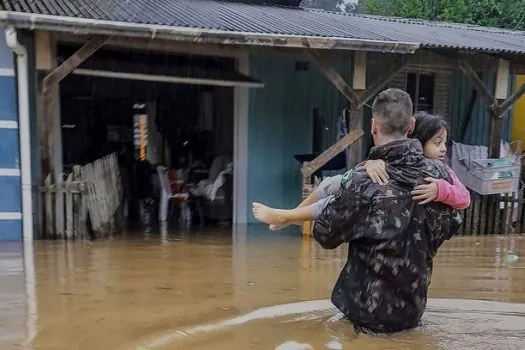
column 456, row 194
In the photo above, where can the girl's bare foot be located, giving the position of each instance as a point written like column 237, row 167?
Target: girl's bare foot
column 267, row 215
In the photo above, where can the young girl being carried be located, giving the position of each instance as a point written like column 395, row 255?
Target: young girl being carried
column 430, row 130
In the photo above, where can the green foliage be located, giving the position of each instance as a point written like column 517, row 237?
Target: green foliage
column 331, row 5
column 492, row 13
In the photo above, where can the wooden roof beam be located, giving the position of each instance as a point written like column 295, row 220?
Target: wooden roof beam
column 69, row 65
column 469, row 72
column 311, row 167
column 322, row 61
column 356, row 99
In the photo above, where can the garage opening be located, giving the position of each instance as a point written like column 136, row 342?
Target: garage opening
column 170, row 120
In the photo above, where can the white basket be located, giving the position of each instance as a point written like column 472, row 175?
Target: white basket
column 494, row 176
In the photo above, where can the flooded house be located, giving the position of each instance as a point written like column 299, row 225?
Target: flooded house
column 240, row 91
column 196, row 108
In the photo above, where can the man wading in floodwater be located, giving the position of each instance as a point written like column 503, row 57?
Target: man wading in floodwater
column 392, row 239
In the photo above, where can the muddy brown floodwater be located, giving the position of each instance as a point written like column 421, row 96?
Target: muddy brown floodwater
column 252, row 289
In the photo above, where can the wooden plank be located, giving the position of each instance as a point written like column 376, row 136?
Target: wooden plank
column 75, row 60
column 103, row 194
column 311, row 167
column 96, row 206
column 69, row 207
column 50, row 227
column 84, row 206
column 490, row 215
column 59, row 207
column 507, row 213
column 102, row 191
column 77, row 205
column 497, row 216
column 467, row 221
column 359, row 75
column 108, row 195
column 484, row 216
column 85, row 181
column 475, row 227
column 44, row 55
column 381, row 82
column 502, row 79
column 323, row 64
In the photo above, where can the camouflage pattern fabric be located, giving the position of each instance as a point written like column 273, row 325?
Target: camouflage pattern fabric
column 392, row 239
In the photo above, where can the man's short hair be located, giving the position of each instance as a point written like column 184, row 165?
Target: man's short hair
column 392, row 109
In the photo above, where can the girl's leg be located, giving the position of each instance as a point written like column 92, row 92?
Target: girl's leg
column 328, row 187
column 281, row 217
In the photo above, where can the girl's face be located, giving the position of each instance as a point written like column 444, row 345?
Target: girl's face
column 436, row 147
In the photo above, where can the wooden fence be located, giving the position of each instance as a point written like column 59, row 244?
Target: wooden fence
column 495, row 214
column 83, row 202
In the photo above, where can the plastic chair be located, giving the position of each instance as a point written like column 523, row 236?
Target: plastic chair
column 167, row 193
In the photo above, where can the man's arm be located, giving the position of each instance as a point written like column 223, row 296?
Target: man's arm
column 340, row 220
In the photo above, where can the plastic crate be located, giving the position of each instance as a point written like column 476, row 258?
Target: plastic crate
column 494, row 176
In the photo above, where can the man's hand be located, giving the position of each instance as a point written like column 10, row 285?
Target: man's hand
column 425, row 194
column 376, row 169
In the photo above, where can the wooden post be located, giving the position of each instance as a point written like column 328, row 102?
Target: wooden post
column 69, row 206
column 355, row 150
column 355, row 122
column 501, row 93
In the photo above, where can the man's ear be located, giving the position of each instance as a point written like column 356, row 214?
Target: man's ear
column 412, row 126
column 374, row 127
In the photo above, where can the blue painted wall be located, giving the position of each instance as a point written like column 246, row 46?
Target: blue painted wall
column 280, row 121
column 280, row 125
column 10, row 200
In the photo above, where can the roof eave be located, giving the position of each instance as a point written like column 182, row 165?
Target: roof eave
column 82, row 26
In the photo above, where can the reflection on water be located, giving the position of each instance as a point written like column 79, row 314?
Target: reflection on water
column 130, row 292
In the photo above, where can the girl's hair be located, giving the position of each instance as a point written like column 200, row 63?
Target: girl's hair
column 427, row 126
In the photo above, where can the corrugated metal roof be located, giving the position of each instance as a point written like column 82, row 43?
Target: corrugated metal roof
column 248, row 17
